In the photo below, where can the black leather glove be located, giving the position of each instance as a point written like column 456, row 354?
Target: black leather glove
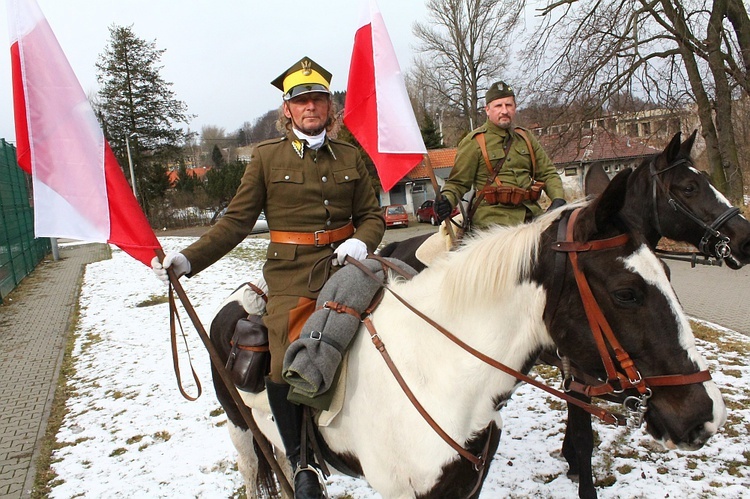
column 556, row 203
column 442, row 208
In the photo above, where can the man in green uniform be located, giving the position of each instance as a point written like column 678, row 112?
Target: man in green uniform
column 319, row 201
column 510, row 166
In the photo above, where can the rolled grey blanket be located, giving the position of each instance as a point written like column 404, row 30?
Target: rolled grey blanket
column 311, row 362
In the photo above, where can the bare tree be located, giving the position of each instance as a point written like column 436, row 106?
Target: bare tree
column 665, row 52
column 464, row 48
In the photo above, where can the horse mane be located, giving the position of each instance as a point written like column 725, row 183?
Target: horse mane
column 492, row 262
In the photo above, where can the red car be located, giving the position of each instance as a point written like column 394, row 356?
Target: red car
column 425, row 213
column 395, row 216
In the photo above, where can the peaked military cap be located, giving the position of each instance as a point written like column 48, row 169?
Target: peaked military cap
column 498, row 90
column 303, row 77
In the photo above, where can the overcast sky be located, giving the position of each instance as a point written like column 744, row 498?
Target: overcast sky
column 221, row 55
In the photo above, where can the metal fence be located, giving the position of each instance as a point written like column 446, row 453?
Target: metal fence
column 20, row 251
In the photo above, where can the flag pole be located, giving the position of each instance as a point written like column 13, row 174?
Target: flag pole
column 247, row 416
column 438, row 196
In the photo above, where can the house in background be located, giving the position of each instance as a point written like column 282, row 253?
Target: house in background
column 416, row 187
column 613, row 152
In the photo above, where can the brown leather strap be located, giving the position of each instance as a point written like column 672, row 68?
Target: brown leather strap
column 477, row 461
column 317, row 238
column 174, row 317
column 258, row 291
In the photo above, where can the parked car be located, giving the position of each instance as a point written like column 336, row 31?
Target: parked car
column 426, row 213
column 261, row 225
column 395, row 216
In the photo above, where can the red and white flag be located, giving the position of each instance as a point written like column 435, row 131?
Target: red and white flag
column 80, row 191
column 378, row 111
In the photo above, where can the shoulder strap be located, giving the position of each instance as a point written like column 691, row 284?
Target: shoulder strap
column 520, row 131
column 492, row 171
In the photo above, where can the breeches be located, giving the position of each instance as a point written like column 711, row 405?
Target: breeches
column 285, row 316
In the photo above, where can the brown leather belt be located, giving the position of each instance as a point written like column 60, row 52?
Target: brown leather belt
column 317, row 238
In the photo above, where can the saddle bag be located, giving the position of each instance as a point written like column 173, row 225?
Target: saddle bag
column 249, row 359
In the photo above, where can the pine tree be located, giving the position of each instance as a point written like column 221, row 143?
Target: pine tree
column 430, row 133
column 136, row 102
column 216, row 157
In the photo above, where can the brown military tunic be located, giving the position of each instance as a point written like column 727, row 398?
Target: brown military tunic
column 470, row 171
column 300, row 190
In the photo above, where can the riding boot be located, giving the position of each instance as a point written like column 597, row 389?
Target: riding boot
column 288, row 417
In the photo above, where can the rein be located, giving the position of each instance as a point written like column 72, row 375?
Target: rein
column 721, row 249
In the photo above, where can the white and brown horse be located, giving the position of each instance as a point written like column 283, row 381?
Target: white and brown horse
column 666, row 197
column 492, row 294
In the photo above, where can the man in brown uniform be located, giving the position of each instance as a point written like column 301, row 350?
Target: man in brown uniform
column 318, row 199
column 510, row 158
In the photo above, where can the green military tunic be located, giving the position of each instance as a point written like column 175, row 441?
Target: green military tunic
column 300, row 190
column 470, row 171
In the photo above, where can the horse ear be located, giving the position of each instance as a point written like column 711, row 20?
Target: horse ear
column 595, row 181
column 604, row 210
column 687, row 146
column 673, row 148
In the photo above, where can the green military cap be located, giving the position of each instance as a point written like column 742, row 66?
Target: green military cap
column 303, row 77
column 498, row 90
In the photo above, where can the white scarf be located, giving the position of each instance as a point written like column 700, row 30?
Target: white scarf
column 313, row 141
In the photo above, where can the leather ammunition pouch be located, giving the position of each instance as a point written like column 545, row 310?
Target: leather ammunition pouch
column 512, row 196
column 249, row 359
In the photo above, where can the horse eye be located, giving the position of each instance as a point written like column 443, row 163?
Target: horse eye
column 627, row 297
column 690, row 189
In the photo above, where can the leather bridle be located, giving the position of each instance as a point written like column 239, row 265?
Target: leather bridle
column 721, row 250
column 625, row 375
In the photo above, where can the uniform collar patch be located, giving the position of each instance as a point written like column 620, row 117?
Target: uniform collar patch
column 299, row 147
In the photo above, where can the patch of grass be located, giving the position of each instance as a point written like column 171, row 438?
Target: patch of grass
column 662, row 470
column 725, row 342
column 118, row 452
column 162, row 435
column 153, row 300
column 62, row 445
column 134, row 440
column 624, row 469
column 735, row 373
column 606, row 481
column 216, row 412
column 221, row 423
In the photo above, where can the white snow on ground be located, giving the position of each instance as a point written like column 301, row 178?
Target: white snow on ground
column 129, row 432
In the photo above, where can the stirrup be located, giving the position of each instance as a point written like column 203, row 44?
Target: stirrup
column 318, row 474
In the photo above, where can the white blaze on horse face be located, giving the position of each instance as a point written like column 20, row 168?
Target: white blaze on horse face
column 719, row 196
column 647, row 265
column 644, row 263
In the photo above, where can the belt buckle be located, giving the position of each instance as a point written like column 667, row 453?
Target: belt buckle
column 316, row 234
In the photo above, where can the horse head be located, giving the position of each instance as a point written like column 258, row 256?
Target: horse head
column 676, row 200
column 640, row 336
